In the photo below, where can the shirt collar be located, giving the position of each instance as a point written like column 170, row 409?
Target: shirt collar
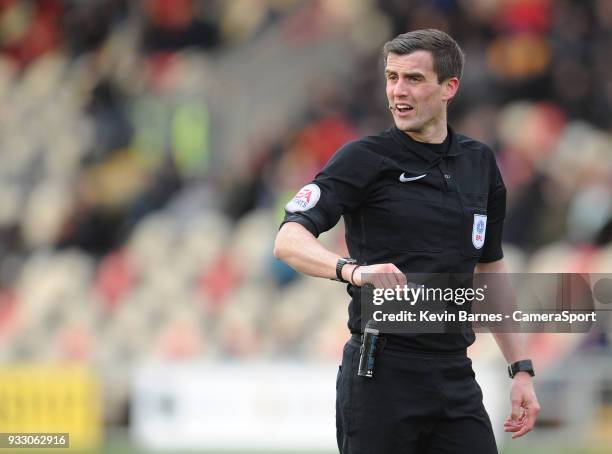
column 423, row 152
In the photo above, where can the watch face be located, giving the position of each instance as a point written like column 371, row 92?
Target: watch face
column 521, row 366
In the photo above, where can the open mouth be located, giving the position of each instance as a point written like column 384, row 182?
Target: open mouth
column 403, row 108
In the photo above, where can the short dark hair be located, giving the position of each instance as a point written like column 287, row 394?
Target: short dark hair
column 447, row 56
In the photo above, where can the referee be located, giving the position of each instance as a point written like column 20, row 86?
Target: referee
column 416, row 198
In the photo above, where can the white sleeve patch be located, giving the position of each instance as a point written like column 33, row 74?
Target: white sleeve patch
column 305, row 199
column 479, row 228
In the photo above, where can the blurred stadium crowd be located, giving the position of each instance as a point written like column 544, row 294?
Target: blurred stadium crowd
column 148, row 148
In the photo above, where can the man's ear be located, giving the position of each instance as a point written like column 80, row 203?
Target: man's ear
column 449, row 88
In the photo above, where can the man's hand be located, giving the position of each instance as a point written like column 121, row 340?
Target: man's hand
column 525, row 406
column 383, row 275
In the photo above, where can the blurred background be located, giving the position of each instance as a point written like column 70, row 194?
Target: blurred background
column 147, row 149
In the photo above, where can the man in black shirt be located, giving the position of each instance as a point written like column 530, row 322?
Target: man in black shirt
column 416, row 198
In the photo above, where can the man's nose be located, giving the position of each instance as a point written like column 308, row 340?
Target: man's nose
column 400, row 88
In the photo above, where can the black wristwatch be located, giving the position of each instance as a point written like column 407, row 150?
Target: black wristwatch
column 521, row 366
column 339, row 265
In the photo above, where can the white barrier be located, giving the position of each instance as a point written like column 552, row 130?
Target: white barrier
column 276, row 406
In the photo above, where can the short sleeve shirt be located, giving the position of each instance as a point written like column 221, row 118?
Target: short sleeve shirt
column 406, row 204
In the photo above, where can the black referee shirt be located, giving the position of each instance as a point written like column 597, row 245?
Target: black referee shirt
column 404, row 203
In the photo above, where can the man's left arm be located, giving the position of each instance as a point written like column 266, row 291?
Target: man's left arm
column 525, row 406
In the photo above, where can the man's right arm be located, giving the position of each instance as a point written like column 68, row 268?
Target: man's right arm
column 299, row 249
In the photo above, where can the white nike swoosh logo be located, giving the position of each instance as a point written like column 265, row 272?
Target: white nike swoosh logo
column 404, row 179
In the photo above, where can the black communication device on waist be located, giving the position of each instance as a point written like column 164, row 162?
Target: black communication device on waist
column 367, row 352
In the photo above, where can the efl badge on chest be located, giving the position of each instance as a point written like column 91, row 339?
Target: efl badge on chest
column 478, row 230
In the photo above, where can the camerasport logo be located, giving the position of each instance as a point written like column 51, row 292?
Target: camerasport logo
column 305, row 199
column 478, row 230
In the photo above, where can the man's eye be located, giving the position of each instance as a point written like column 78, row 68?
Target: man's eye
column 392, row 76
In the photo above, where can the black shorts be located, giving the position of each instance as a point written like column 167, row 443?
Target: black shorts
column 417, row 402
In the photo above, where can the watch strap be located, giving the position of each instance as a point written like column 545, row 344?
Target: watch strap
column 524, row 365
column 340, row 264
